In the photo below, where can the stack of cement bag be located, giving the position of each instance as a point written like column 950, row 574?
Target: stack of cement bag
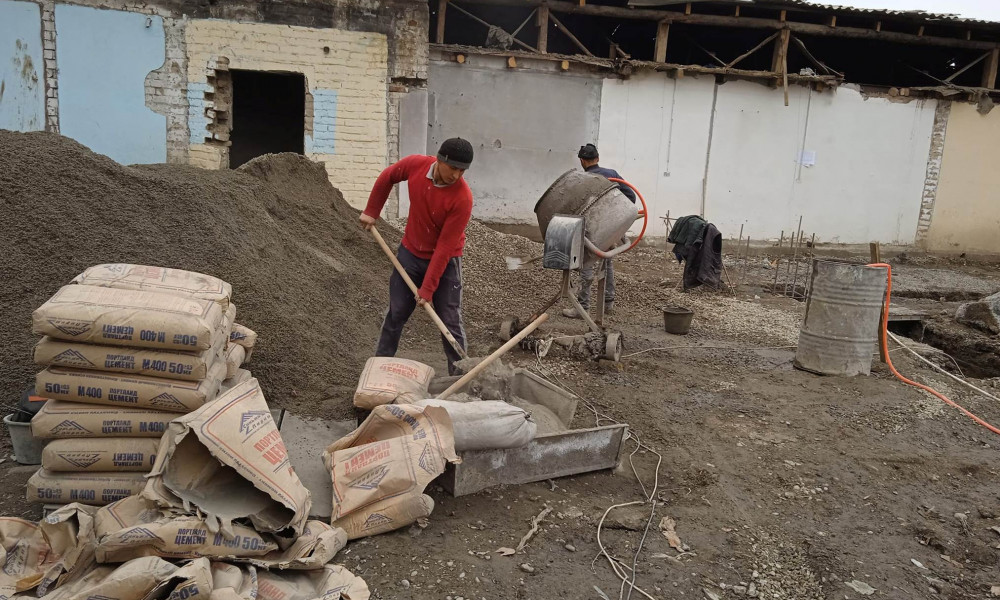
column 223, row 515
column 127, row 349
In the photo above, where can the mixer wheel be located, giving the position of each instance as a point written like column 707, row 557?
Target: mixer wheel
column 614, row 344
column 509, row 328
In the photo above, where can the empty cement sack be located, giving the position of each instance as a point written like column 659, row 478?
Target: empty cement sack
column 387, row 380
column 332, row 582
column 228, row 460
column 97, row 315
column 486, row 424
column 96, row 489
column 386, row 516
column 236, row 356
column 136, row 527
column 134, row 391
column 394, row 454
column 187, row 366
column 157, row 279
column 42, row 556
column 132, row 454
column 58, row 419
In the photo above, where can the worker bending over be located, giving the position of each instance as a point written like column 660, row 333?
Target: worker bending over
column 589, row 159
column 431, row 249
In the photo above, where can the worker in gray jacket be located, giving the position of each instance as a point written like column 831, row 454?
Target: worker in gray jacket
column 589, row 159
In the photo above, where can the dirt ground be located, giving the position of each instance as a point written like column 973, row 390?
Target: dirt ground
column 794, row 484
column 782, row 484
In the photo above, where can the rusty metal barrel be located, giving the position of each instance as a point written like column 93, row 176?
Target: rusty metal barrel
column 840, row 330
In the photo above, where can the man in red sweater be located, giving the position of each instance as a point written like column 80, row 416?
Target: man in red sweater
column 431, row 250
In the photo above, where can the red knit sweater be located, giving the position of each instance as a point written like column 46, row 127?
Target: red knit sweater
column 435, row 229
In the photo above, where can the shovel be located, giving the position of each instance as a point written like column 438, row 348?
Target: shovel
column 416, row 292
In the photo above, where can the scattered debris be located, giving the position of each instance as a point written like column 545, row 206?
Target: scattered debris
column 503, row 551
column 534, row 528
column 963, row 519
column 918, row 564
column 667, row 526
column 527, row 568
column 860, row 587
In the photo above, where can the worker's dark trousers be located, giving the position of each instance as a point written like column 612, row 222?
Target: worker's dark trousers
column 447, row 302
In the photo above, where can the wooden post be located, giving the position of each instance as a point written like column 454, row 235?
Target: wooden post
column 442, row 9
column 511, row 62
column 564, row 65
column 833, row 21
column 543, row 28
column 737, row 13
column 687, row 8
column 460, row 59
column 783, row 60
column 613, row 51
column 878, row 25
column 783, row 16
column 920, row 31
column 876, row 252
column 662, row 35
column 990, row 70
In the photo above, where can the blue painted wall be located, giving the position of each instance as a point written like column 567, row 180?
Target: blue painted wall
column 104, row 57
column 324, row 123
column 22, row 72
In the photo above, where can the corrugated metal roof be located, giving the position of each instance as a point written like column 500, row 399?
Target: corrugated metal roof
column 915, row 15
column 886, row 12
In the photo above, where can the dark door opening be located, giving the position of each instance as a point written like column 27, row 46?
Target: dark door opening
column 268, row 114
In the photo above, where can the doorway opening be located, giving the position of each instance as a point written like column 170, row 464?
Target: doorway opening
column 268, row 114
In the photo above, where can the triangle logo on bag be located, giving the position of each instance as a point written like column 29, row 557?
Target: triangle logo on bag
column 371, row 479
column 81, row 459
column 71, row 358
column 71, row 429
column 374, row 520
column 167, row 401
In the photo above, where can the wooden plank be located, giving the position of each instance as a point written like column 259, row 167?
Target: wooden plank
column 967, row 67
column 833, row 21
column 662, row 35
column 783, row 16
column 543, row 29
column 737, row 13
column 738, row 59
column 878, row 25
column 511, row 62
column 819, row 29
column 920, row 32
column 545, row 457
column 785, row 36
column 570, row 35
column 687, row 8
column 990, row 70
column 442, row 9
column 875, row 251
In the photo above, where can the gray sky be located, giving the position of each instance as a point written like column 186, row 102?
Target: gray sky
column 974, row 9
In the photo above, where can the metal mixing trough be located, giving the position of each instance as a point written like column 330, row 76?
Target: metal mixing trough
column 583, row 218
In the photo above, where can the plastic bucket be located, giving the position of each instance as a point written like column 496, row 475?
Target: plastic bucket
column 27, row 448
column 677, row 319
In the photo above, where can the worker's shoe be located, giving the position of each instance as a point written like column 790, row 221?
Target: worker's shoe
column 609, row 307
column 571, row 313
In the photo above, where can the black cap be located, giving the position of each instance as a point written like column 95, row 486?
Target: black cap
column 456, row 152
column 588, row 152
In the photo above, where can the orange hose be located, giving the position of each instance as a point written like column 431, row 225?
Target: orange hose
column 884, row 346
column 644, row 213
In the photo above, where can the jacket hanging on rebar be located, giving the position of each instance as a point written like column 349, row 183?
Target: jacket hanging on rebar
column 698, row 244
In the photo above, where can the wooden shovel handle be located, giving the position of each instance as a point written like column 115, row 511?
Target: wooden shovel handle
column 416, row 292
column 492, row 357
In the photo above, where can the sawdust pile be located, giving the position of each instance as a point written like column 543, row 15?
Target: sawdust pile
column 275, row 228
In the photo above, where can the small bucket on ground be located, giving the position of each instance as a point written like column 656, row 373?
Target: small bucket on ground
column 27, row 449
column 677, row 319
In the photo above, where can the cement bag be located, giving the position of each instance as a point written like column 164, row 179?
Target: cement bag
column 243, row 335
column 332, row 582
column 137, row 527
column 157, row 279
column 58, row 419
column 96, row 489
column 187, row 366
column 228, row 460
column 84, row 313
column 395, row 453
column 133, row 454
column 236, row 355
column 385, row 516
column 486, row 424
column 387, row 380
column 231, row 382
column 39, row 557
column 135, row 580
column 134, row 391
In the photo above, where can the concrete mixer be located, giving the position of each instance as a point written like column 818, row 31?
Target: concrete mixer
column 583, row 218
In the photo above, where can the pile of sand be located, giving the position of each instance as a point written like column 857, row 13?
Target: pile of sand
column 311, row 283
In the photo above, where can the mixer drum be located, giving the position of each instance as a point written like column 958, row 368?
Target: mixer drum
column 607, row 211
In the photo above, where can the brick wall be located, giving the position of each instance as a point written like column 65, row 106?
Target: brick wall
column 345, row 71
column 933, row 174
column 51, row 71
column 166, row 90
